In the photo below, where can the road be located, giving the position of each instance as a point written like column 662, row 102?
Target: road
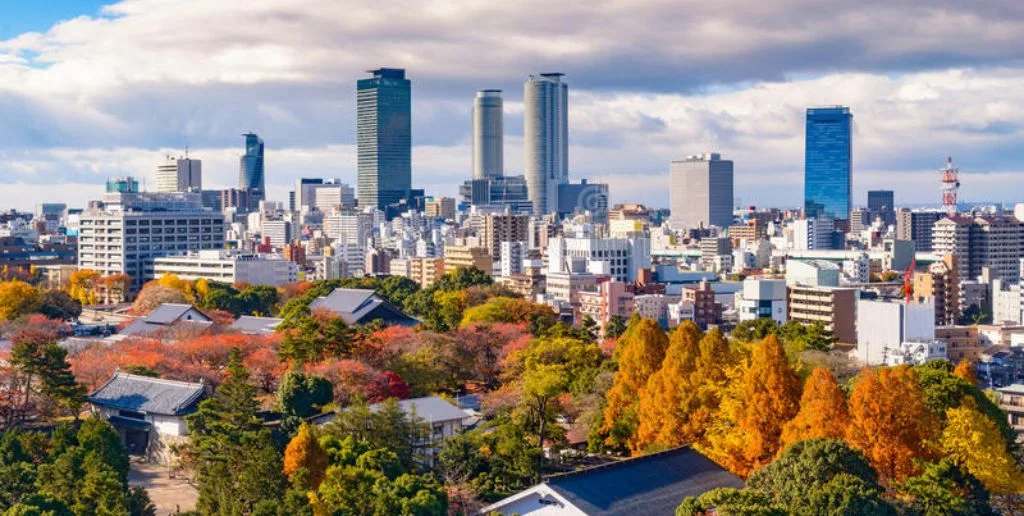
column 168, row 495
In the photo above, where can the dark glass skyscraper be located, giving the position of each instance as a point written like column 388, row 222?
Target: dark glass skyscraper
column 828, row 163
column 250, row 173
column 881, row 205
column 384, row 137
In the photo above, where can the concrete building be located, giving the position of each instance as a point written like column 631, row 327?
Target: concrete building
column 895, row 332
column 605, row 300
column 1007, row 303
column 834, row 307
column 278, row 231
column 545, row 139
column 857, row 269
column 701, row 192
column 712, row 249
column 179, row 175
column 812, row 273
column 304, row 194
column 762, row 299
column 124, row 233
column 229, row 267
column 332, row 194
column 706, row 311
column 456, row 256
column 583, row 198
column 488, row 135
column 621, row 256
column 505, row 227
column 439, row 208
column 941, row 284
column 565, row 287
column 917, row 226
column 996, row 242
column 813, row 233
column 512, row 256
column 962, row 342
column 424, row 271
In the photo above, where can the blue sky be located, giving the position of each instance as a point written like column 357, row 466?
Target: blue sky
column 650, row 81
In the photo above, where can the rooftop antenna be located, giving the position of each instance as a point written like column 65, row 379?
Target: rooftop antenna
column 950, row 186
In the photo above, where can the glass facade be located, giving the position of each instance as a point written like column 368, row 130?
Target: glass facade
column 828, row 163
column 250, row 175
column 881, row 204
column 384, row 137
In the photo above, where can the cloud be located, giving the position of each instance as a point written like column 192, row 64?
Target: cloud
column 651, row 81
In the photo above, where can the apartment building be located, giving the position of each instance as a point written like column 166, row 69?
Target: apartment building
column 504, row 227
column 941, row 284
column 962, row 342
column 996, row 242
column 229, row 267
column 834, row 307
column 456, row 256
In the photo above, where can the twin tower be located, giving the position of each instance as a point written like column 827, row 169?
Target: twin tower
column 545, row 138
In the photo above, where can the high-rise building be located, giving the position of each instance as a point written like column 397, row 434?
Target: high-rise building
column 332, row 194
column 498, row 194
column 304, row 193
column 996, row 242
column 701, row 192
column 488, row 135
column 917, row 226
column 546, row 139
column 384, row 137
column 506, row 227
column 179, row 175
column 122, row 184
column 941, row 284
column 880, row 205
column 251, row 172
column 583, row 197
column 828, row 163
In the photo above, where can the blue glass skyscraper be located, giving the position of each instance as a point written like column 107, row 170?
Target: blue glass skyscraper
column 250, row 174
column 384, row 137
column 828, row 163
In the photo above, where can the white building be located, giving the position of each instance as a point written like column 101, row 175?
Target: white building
column 1007, row 303
column 229, row 267
column 545, row 139
column 813, row 233
column 762, row 299
column 653, row 306
column 332, row 194
column 125, row 232
column 512, row 255
column 701, row 192
column 857, row 269
column 278, row 231
column 622, row 256
column 894, row 333
column 812, row 273
column 179, row 175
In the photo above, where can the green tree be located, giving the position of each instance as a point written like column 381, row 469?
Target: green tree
column 311, row 339
column 754, row 330
column 729, row 502
column 944, row 488
column 57, row 304
column 303, row 395
column 540, row 386
column 387, row 427
column 615, row 327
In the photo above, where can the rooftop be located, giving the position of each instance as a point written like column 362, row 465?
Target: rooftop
column 148, row 395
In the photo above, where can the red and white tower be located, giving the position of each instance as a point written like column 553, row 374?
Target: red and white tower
column 950, row 186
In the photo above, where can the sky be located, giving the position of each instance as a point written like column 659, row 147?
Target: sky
column 93, row 89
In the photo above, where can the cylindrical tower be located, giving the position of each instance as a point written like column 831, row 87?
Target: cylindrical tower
column 488, row 135
column 545, row 139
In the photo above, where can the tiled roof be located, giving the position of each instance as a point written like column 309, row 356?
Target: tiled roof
column 165, row 316
column 255, row 325
column 149, row 395
column 358, row 306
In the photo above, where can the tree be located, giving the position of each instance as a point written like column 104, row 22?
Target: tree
column 665, row 409
column 310, row 339
column 615, row 327
column 57, row 304
column 728, row 502
column 388, row 427
column 754, row 330
column 823, row 411
column 82, row 285
column 965, row 371
column 640, row 353
column 153, row 294
column 889, row 422
column 944, row 488
column 540, row 385
column 762, row 398
column 302, row 395
column 973, row 441
column 304, row 452
column 17, row 298
column 806, row 467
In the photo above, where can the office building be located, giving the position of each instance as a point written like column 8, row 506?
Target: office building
column 439, row 207
column 122, row 184
column 332, row 194
column 834, row 307
column 237, row 198
column 349, row 227
column 125, row 232
column 498, row 194
column 814, row 233
column 996, row 242
column 229, row 267
column 880, row 206
column 894, row 333
column 304, row 193
column 546, row 139
column 488, row 135
column 507, row 227
column 917, row 226
column 581, row 198
column 762, row 299
column 941, row 284
column 179, row 175
column 384, row 137
column 619, row 258
column 701, row 192
column 828, row 163
column 251, row 172
column 278, row 232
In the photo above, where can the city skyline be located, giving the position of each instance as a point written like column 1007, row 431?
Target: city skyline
column 630, row 114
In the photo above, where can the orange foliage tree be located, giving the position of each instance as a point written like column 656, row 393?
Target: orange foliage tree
column 640, row 353
column 966, row 371
column 823, row 411
column 304, row 452
column 664, row 410
column 763, row 395
column 889, row 422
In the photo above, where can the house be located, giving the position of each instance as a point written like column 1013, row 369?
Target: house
column 149, row 413
column 650, row 485
column 1011, row 400
column 252, row 325
column 358, row 306
column 167, row 318
column 444, row 420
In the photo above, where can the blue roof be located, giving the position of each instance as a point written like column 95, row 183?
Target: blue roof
column 359, row 306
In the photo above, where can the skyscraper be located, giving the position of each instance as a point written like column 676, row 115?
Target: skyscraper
column 880, row 205
column 701, row 192
column 488, row 135
column 179, row 175
column 250, row 174
column 546, row 138
column 828, row 163
column 384, row 137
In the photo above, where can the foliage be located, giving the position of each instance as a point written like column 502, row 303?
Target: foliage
column 303, row 395
column 762, row 397
column 152, row 295
column 729, row 502
column 304, row 452
column 395, row 289
column 388, row 427
column 311, row 339
column 17, row 298
column 505, row 310
column 755, row 330
column 615, row 327
column 640, row 353
column 41, row 373
column 889, row 422
column 943, row 488
column 495, row 461
column 965, row 371
column 973, row 441
column 823, row 411
column 57, row 304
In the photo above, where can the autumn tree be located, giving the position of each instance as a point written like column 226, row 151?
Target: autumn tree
column 640, row 353
column 823, row 411
column 889, row 422
column 304, row 452
column 540, row 385
column 665, row 408
column 974, row 442
column 965, row 371
column 17, row 298
column 152, row 295
column 82, row 286
column 763, row 396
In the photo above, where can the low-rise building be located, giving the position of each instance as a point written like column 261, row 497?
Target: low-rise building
column 834, row 307
column 762, row 299
column 1011, row 400
column 706, row 311
column 962, row 342
column 229, row 267
column 605, row 300
column 456, row 256
column 895, row 332
column 812, row 273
